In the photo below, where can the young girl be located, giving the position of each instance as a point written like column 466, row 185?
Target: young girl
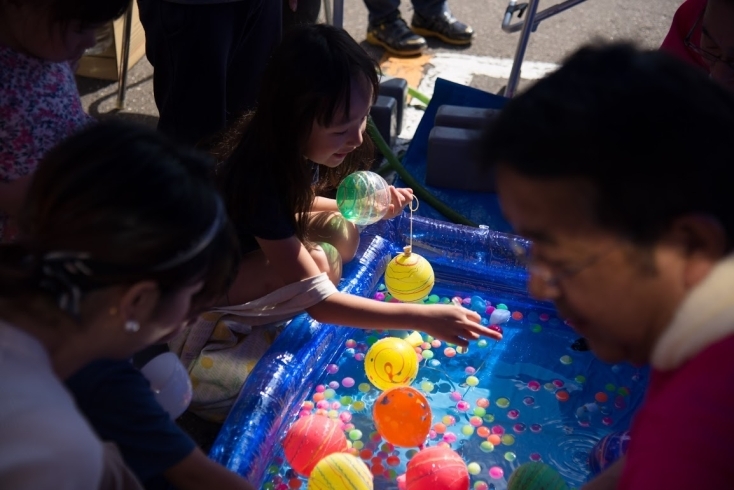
column 39, row 102
column 121, row 235
column 308, row 127
column 312, row 111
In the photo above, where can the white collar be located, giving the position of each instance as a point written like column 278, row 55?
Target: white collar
column 705, row 316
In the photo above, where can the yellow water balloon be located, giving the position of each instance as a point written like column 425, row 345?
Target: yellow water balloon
column 391, row 362
column 340, row 471
column 409, row 276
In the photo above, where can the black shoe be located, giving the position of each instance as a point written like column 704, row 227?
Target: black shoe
column 395, row 36
column 443, row 26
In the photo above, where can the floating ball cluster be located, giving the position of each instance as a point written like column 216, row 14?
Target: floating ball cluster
column 403, row 424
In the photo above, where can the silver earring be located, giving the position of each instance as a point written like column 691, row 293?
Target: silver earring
column 131, row 326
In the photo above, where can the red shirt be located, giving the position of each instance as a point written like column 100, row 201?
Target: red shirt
column 683, row 435
column 684, row 18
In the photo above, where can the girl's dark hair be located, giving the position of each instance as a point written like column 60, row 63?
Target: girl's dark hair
column 308, row 79
column 113, row 205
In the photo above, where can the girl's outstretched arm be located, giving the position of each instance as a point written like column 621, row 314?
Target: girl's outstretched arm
column 449, row 323
column 292, row 262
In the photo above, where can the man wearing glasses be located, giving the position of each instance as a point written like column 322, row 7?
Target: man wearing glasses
column 702, row 33
column 625, row 193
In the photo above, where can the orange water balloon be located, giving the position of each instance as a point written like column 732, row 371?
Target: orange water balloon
column 402, row 416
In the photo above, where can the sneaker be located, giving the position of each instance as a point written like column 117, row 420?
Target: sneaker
column 443, row 26
column 394, row 35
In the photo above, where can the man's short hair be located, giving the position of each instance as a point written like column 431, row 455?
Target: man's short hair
column 653, row 135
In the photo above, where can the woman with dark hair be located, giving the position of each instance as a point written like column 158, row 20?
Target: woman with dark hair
column 122, row 237
column 39, row 101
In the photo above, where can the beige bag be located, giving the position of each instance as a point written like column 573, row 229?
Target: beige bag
column 221, row 348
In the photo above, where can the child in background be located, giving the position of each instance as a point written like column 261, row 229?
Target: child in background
column 310, row 120
column 39, row 101
column 121, row 235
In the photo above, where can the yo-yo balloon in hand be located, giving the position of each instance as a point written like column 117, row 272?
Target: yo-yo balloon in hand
column 409, row 276
column 391, row 362
column 402, row 416
column 363, row 197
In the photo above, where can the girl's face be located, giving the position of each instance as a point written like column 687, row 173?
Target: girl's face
column 29, row 29
column 329, row 146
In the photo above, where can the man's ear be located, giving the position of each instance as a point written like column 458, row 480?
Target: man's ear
column 140, row 300
column 702, row 240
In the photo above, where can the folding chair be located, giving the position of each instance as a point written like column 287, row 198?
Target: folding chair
column 528, row 25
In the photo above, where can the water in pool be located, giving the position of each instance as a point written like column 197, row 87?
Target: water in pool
column 533, row 396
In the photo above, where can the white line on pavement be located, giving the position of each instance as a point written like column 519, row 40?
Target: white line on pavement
column 461, row 68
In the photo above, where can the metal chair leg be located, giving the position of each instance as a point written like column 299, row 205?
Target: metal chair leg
column 528, row 25
column 522, row 44
column 124, row 55
column 338, row 18
column 327, row 12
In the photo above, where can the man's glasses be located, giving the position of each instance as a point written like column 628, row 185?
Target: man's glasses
column 706, row 55
column 551, row 275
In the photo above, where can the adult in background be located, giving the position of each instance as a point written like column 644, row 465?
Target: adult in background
column 431, row 18
column 208, row 57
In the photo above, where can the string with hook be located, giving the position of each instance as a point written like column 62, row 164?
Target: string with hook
column 409, row 249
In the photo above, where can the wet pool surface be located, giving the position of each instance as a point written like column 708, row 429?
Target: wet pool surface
column 536, row 395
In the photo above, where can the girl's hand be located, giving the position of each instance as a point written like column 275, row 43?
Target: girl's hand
column 454, row 324
column 293, row 4
column 399, row 198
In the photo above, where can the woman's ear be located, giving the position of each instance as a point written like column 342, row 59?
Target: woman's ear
column 702, row 241
column 139, row 302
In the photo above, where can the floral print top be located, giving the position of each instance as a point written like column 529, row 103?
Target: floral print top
column 39, row 107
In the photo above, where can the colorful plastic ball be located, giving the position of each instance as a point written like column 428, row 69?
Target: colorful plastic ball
column 608, row 450
column 536, row 476
column 310, row 439
column 409, row 277
column 340, row 471
column 437, row 467
column 402, row 416
column 391, row 362
column 363, row 197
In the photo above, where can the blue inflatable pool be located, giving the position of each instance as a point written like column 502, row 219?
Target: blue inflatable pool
column 533, row 397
